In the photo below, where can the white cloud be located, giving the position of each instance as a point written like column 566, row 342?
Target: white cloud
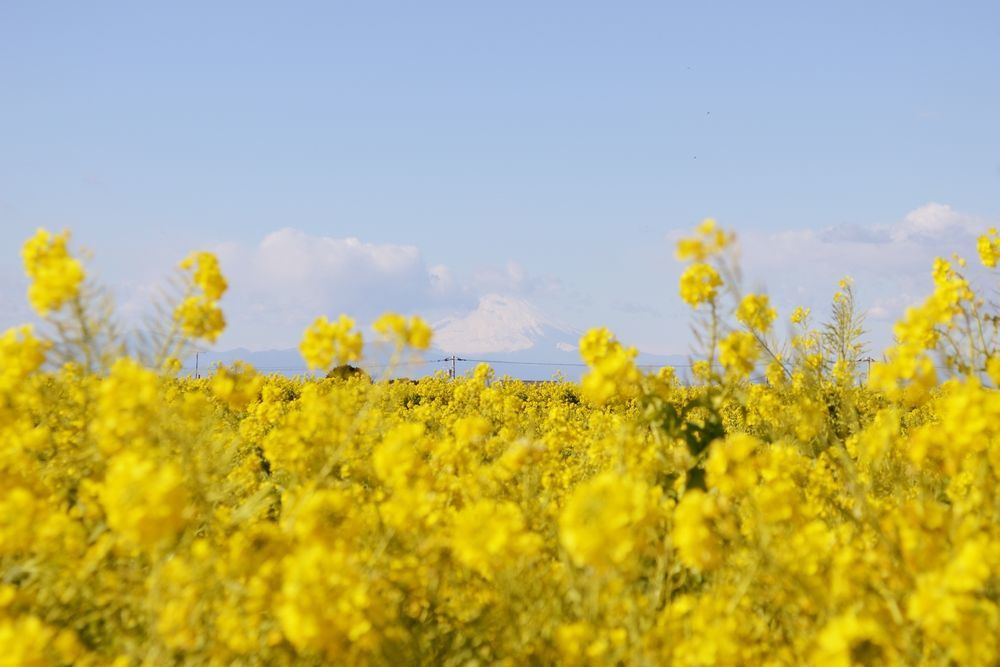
column 290, row 259
column 877, row 312
column 890, row 262
column 290, row 277
column 442, row 280
column 891, row 249
column 280, row 285
column 931, row 222
column 936, row 222
column 512, row 278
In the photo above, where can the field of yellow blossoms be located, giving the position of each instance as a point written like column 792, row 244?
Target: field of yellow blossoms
column 819, row 513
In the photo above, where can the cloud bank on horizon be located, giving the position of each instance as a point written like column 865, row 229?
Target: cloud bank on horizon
column 281, row 283
column 890, row 262
column 291, row 276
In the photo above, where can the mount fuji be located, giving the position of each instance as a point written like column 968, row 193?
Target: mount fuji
column 509, row 333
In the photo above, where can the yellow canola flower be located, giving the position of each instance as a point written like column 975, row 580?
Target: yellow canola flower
column 206, row 274
column 945, row 604
column 739, row 352
column 730, row 467
column 775, row 372
column 698, row 544
column 326, row 344
column 612, row 367
column 988, row 246
column 27, row 642
column 606, row 519
column 906, row 375
column 20, row 509
column 127, row 402
column 178, row 617
column 199, row 317
column 699, row 284
column 490, row 536
column 909, row 370
column 326, row 604
column 710, row 240
column 238, row 385
column 471, row 429
column 993, row 369
column 396, row 459
column 850, row 639
column 326, row 516
column 412, row 332
column 702, row 370
column 172, row 366
column 56, row 276
column 21, row 354
column 799, row 315
column 586, row 644
column 145, row 501
column 755, row 311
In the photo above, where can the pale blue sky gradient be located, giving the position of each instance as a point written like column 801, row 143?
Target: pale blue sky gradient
column 567, row 138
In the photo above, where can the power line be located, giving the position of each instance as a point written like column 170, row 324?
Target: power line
column 402, row 363
column 560, row 363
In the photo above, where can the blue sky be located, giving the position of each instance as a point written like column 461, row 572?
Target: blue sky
column 543, row 151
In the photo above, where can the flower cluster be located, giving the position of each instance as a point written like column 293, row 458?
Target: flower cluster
column 989, row 248
column 699, row 284
column 21, row 354
column 56, row 276
column 325, row 343
column 909, row 369
column 238, row 385
column 710, row 239
column 414, row 332
column 739, row 352
column 756, row 313
column 199, row 314
column 612, row 367
column 700, row 281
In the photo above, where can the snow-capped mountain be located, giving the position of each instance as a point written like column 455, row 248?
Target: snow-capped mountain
column 510, row 333
column 502, row 325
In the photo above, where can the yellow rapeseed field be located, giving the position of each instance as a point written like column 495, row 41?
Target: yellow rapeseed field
column 814, row 516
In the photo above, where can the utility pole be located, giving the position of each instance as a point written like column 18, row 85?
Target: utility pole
column 453, row 373
column 196, row 376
